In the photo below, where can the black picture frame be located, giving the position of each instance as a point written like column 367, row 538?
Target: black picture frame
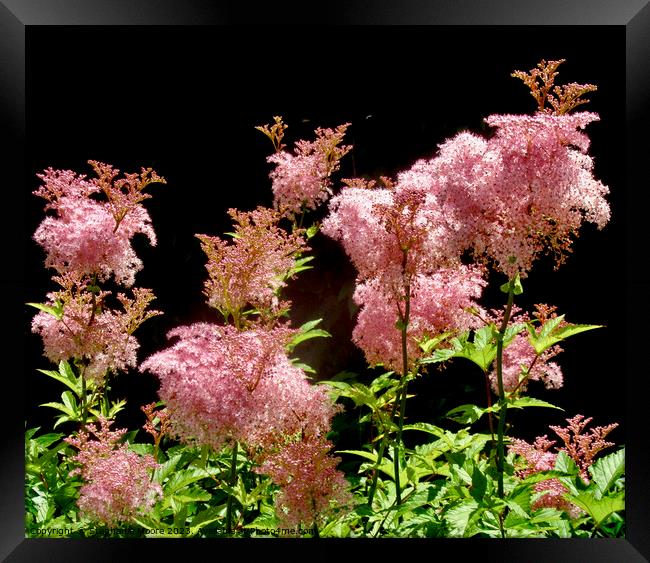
column 16, row 15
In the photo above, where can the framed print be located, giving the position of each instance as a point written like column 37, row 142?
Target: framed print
column 372, row 286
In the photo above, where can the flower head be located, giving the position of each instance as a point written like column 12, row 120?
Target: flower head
column 222, row 385
column 90, row 236
column 302, row 180
column 439, row 303
column 311, row 486
column 118, row 483
column 253, row 267
column 89, row 331
column 581, row 448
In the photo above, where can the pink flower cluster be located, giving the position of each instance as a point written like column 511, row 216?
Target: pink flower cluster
column 88, row 331
column 582, row 448
column 439, row 302
column 522, row 192
column 221, row 385
column 520, row 359
column 388, row 232
column 118, row 483
column 252, row 268
column 312, row 487
column 302, row 180
column 399, row 245
column 89, row 236
column 521, row 364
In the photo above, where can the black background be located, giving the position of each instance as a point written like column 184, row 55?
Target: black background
column 185, row 102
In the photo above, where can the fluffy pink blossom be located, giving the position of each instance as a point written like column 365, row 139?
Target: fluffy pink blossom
column 523, row 192
column 519, row 360
column 90, row 236
column 222, row 385
column 353, row 222
column 91, row 332
column 439, row 303
column 311, row 486
column 251, row 268
column 538, row 458
column 302, row 180
column 582, row 448
column 118, row 483
column 389, row 233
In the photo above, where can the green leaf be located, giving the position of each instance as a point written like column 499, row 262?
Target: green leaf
column 300, row 365
column 59, row 406
column 192, row 494
column 425, row 427
column 479, row 484
column 183, row 478
column 165, row 469
column 523, row 402
column 466, row 414
column 372, row 456
column 517, row 288
column 565, row 464
column 307, row 331
column 460, row 517
column 607, row 470
column 312, row 230
column 512, row 331
column 205, row 517
column 598, row 509
column 427, row 344
column 550, row 334
column 481, row 351
column 66, row 376
column 46, row 440
column 56, row 311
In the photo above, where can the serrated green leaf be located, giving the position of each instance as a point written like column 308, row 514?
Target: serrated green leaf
column 607, row 470
column 63, row 408
column 183, row 478
column 73, row 383
column 459, row 517
column 46, row 440
column 598, row 509
column 512, row 331
column 479, row 484
column 165, row 469
column 566, row 465
column 308, row 331
column 523, row 402
column 550, row 334
column 55, row 311
column 205, row 517
column 304, row 367
column 429, row 343
column 466, row 414
column 425, row 427
column 192, row 494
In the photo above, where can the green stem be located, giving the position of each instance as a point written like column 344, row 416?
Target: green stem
column 404, row 318
column 84, row 405
column 489, row 404
column 502, row 399
column 232, row 481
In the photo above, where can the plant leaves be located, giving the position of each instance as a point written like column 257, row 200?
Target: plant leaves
column 466, row 414
column 56, row 311
column 598, row 509
column 550, row 334
column 607, row 470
